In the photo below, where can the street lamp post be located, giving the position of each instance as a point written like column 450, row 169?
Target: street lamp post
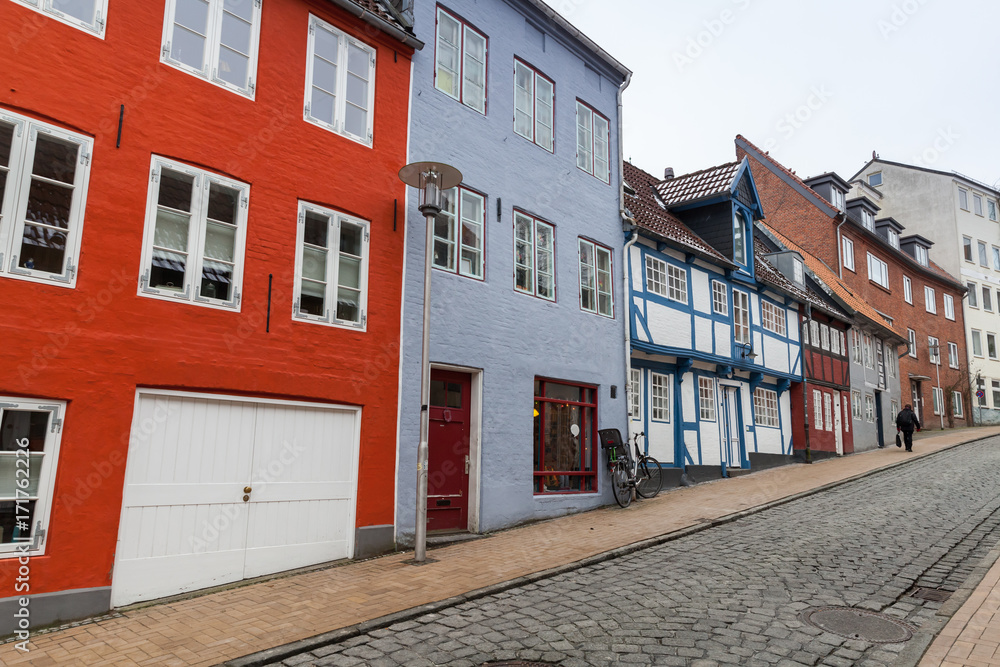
column 432, row 179
column 936, row 351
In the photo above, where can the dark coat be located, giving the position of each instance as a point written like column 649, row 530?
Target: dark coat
column 906, row 420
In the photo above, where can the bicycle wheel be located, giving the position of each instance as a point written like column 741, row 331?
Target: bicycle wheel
column 649, row 479
column 620, row 486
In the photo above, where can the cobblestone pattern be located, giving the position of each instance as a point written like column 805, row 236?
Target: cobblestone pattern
column 733, row 594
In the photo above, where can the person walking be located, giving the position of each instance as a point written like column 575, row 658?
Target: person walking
column 906, row 421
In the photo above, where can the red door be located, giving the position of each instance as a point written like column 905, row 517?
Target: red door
column 448, row 454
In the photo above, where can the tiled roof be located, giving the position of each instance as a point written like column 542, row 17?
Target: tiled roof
column 649, row 213
column 833, row 282
column 767, row 274
column 698, row 185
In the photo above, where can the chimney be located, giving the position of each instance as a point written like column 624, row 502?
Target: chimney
column 668, row 173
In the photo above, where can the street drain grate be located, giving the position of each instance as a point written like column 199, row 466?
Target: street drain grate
column 860, row 624
column 932, row 594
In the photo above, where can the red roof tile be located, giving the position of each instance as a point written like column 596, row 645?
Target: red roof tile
column 698, row 185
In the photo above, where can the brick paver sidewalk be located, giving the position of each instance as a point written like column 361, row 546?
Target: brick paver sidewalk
column 209, row 629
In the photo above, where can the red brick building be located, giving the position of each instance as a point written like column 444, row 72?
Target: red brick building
column 200, row 282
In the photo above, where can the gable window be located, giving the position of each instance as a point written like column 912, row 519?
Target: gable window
column 875, row 179
column 869, row 408
column 84, row 14
column 677, row 284
column 595, row 279
column 949, row 307
column 29, row 452
column 987, row 298
column 534, row 98
column 797, row 272
column 930, row 300
column 838, row 199
column 740, row 238
column 912, row 335
column 656, row 276
column 893, row 237
column 856, row 404
column 963, row 199
column 933, row 350
column 340, row 71
column 967, row 248
column 565, row 442
column 458, row 233
column 706, row 399
column 867, row 219
column 848, row 253
column 952, row 355
column 973, row 295
column 765, row 407
column 991, row 206
column 635, row 394
column 957, row 404
column 215, row 40
column 773, row 319
column 44, row 173
column 592, row 147
column 741, row 316
column 659, row 397
column 878, row 271
column 331, row 267
column 534, row 257
column 977, row 342
column 196, row 225
column 982, row 254
column 977, row 204
column 921, row 255
column 460, row 61
column 720, row 298
column 907, row 290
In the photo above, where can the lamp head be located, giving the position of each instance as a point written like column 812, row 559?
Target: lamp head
column 431, row 178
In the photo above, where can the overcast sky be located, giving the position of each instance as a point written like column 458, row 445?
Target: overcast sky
column 821, row 84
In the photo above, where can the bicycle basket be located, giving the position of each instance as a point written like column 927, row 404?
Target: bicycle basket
column 610, row 438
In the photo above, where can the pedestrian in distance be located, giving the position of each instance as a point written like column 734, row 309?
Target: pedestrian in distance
column 906, row 421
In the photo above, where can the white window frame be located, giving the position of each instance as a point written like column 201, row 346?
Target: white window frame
column 856, row 353
column 848, row 252
column 25, row 137
column 532, row 270
column 996, row 258
column 475, row 103
column 635, row 394
column 920, row 252
column 773, row 318
column 907, row 290
column 765, row 408
column 872, row 179
column 336, row 220
column 894, row 406
column 659, row 397
column 839, row 199
column 213, row 45
column 977, row 204
column 338, row 124
column 847, row 415
column 595, row 274
column 798, row 271
column 828, row 411
column 937, row 399
column 656, row 276
column 867, row 220
column 977, row 337
column 856, row 405
column 973, row 291
column 870, row 408
column 893, row 236
column 963, row 199
column 878, row 271
column 814, row 330
column 869, row 350
column 197, row 229
column 967, row 248
column 834, row 341
column 535, row 115
column 817, row 409
column 912, row 336
column 953, row 356
column 949, row 307
column 677, row 284
column 890, row 359
column 720, row 298
column 456, row 217
column 43, row 496
column 742, row 324
column 987, row 300
column 991, row 350
column 824, row 337
column 588, row 122
column 95, row 26
column 991, row 207
column 958, row 404
column 981, row 251
column 706, row 399
column 930, row 300
column 932, row 344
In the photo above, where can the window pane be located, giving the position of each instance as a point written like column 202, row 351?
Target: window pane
column 324, row 74
column 474, row 74
column 439, row 393
column 19, row 425
column 233, row 67
column 6, row 138
column 348, row 305
column 55, row 159
column 523, row 100
column 326, row 44
column 351, row 239
column 216, row 280
column 313, row 298
column 321, row 106
column 448, row 54
column 171, row 230
column 563, row 391
column 317, row 227
column 83, row 10
column 9, row 518
column 187, row 43
column 167, row 271
column 356, row 121
column 222, row 203
column 42, row 249
column 349, row 272
column 175, row 190
column 220, row 242
column 237, row 30
column 314, row 264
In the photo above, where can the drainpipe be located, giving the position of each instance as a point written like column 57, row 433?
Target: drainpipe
column 840, row 246
column 626, row 266
column 805, row 394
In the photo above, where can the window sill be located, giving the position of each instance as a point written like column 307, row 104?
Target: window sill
column 335, row 325
column 31, row 277
column 214, row 305
column 332, row 130
column 245, row 93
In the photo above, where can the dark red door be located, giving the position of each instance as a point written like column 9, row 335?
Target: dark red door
column 448, row 455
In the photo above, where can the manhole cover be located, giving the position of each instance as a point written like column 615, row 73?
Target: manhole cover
column 868, row 626
column 932, row 594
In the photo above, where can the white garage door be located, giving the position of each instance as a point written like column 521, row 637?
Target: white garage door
column 219, row 489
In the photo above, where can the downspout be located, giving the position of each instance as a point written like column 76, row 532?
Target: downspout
column 805, row 394
column 626, row 265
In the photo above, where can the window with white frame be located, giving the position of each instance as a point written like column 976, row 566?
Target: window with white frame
column 677, row 289
column 592, row 142
column 991, row 206
column 981, row 385
column 878, row 271
column 856, row 345
column 977, row 342
column 930, row 300
column 765, row 407
column 656, row 276
column 869, row 352
column 834, row 341
column 331, row 267
column 534, row 257
column 933, row 350
column 868, row 220
column 890, row 360
column 848, row 252
column 987, row 298
column 740, row 238
column 817, row 409
column 982, row 254
column 973, row 295
column 215, row 40
column 635, row 394
column 847, row 416
column 856, row 404
column 952, row 355
column 773, row 318
column 595, row 279
column 839, row 199
column 967, row 248
column 88, row 15
column 814, row 328
column 912, row 335
column 798, row 272
column 893, row 237
column 340, row 82
column 977, row 204
column 963, row 199
column 995, row 384
column 741, row 316
column 907, row 290
column 991, row 345
column 996, row 258
column 659, row 397
column 458, row 233
column 958, row 404
column 706, row 399
column 720, row 298
column 460, row 61
column 805, row 330
column 869, row 408
column 894, row 406
column 828, row 411
column 824, row 336
column 196, row 225
column 949, row 307
column 875, row 179
column 29, row 452
column 44, row 172
column 921, row 255
column 534, row 100
column 936, row 395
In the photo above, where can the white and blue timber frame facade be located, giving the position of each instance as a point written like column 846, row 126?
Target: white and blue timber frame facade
column 714, row 335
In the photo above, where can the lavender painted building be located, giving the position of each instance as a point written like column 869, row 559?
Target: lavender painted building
column 527, row 326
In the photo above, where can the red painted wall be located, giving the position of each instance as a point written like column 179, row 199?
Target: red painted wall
column 92, row 345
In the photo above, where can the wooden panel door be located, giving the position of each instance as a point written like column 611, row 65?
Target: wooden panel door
column 448, row 456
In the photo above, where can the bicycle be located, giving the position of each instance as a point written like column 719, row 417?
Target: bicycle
column 641, row 472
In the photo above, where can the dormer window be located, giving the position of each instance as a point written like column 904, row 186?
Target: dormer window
column 798, row 272
column 868, row 220
column 739, row 238
column 893, row 238
column 921, row 254
column 839, row 199
column 875, row 179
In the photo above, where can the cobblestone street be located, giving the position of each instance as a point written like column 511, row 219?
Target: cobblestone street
column 736, row 593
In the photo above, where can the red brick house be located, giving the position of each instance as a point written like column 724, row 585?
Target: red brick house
column 200, row 281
